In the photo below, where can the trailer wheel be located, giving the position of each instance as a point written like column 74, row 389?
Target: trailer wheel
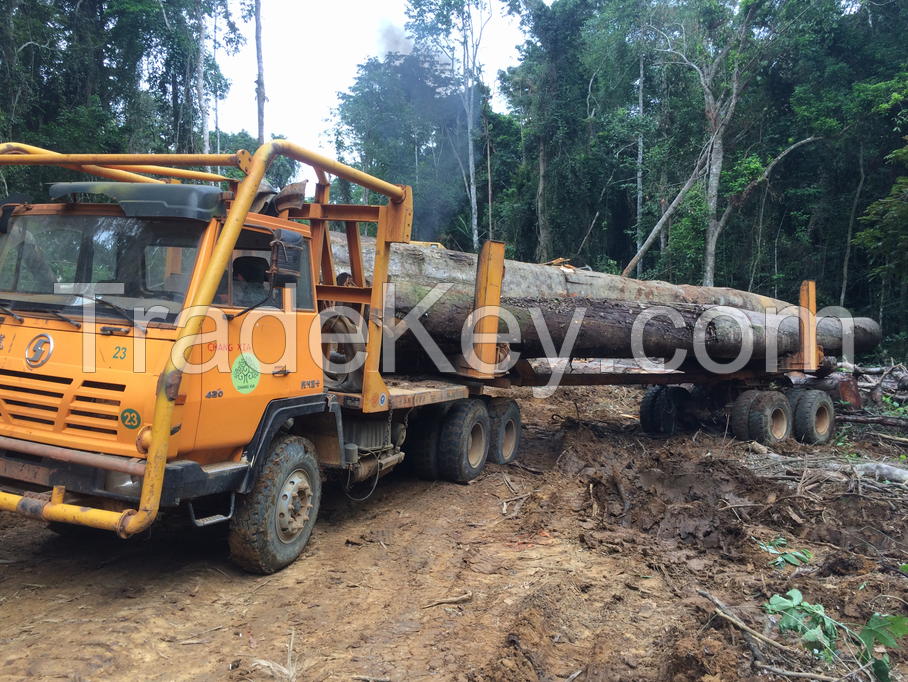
column 273, row 522
column 648, row 409
column 740, row 415
column 463, row 444
column 814, row 418
column 770, row 418
column 421, row 444
column 794, row 395
column 660, row 407
column 504, row 439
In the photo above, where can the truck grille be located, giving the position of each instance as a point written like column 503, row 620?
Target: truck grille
column 32, row 399
column 37, row 401
column 96, row 407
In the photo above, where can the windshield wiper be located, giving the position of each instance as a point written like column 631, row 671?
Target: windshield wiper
column 61, row 316
column 113, row 306
column 8, row 311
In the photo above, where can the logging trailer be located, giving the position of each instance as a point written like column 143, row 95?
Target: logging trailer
column 179, row 348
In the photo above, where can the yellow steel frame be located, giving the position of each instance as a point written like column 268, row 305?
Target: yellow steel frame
column 395, row 223
column 489, row 275
column 810, row 356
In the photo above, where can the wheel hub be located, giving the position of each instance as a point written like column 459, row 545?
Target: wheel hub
column 293, row 505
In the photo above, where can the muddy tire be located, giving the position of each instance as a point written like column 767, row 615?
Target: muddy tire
column 648, row 410
column 814, row 418
column 463, row 445
column 794, row 395
column 504, row 438
column 770, row 418
column 273, row 522
column 421, row 445
column 740, row 415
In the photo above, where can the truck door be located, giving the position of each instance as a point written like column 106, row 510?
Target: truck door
column 253, row 350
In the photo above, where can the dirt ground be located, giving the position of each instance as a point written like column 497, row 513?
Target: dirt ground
column 583, row 567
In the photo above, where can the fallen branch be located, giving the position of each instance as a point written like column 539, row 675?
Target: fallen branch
column 811, row 676
column 754, row 649
column 892, row 438
column 451, row 600
column 763, row 638
column 883, row 421
column 366, row 678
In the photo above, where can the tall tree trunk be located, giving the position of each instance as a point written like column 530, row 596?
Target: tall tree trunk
column 542, row 248
column 471, row 160
column 713, row 228
column 640, row 171
column 200, row 78
column 217, row 123
column 485, row 123
column 854, row 212
column 260, row 80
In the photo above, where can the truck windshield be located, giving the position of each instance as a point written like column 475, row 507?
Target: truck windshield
column 140, row 263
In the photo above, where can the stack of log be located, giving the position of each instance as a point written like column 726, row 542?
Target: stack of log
column 532, row 292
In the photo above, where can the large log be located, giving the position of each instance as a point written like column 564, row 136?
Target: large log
column 612, row 305
column 607, row 325
column 422, row 265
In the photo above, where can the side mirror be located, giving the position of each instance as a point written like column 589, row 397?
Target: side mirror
column 286, row 256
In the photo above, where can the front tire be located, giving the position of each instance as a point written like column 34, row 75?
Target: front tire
column 273, row 522
column 463, row 444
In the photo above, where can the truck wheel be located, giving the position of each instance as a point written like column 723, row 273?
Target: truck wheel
column 463, row 443
column 794, row 395
column 274, row 521
column 814, row 418
column 421, row 445
column 504, row 437
column 770, row 418
column 648, row 409
column 740, row 415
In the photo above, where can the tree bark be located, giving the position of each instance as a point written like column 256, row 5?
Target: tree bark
column 260, row 79
column 200, row 79
column 854, row 212
column 607, row 326
column 542, row 248
column 713, row 229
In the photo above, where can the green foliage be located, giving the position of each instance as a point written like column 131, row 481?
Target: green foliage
column 808, row 621
column 819, row 633
column 795, row 557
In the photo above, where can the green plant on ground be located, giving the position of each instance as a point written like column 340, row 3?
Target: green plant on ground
column 819, row 633
column 795, row 557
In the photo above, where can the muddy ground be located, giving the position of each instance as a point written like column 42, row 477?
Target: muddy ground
column 595, row 570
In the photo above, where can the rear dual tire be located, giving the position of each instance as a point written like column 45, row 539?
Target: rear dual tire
column 463, row 443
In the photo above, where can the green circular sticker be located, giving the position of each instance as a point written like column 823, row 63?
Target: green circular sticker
column 245, row 373
column 131, row 419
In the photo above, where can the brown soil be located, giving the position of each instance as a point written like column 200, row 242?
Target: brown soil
column 596, row 571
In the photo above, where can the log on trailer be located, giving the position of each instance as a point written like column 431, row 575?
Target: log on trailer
column 427, row 266
column 607, row 325
column 612, row 304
